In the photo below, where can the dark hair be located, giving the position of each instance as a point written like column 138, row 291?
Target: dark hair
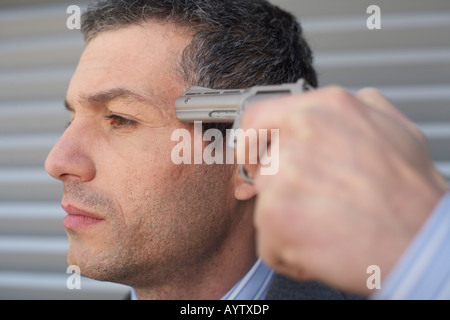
column 236, row 43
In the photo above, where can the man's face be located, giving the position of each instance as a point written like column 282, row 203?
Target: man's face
column 134, row 216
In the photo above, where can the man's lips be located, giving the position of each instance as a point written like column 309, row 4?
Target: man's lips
column 77, row 218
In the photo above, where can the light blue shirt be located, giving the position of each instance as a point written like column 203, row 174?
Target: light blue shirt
column 423, row 272
column 254, row 285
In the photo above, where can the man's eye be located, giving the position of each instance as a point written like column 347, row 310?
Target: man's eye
column 119, row 122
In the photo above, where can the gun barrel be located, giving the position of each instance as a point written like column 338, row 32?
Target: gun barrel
column 210, row 105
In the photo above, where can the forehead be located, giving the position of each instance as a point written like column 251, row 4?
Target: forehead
column 142, row 57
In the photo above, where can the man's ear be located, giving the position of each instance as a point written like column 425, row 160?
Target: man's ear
column 242, row 189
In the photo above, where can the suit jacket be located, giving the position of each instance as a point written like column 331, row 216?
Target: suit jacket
column 284, row 288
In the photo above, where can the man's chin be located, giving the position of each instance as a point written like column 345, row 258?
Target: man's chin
column 90, row 261
column 97, row 263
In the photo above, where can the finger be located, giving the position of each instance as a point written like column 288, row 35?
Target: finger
column 270, row 113
column 271, row 220
column 304, row 116
column 374, row 99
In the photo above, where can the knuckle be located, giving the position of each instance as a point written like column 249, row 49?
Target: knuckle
column 302, row 123
column 369, row 92
column 339, row 97
column 337, row 92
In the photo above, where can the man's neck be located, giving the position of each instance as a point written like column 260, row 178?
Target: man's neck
column 212, row 277
column 203, row 284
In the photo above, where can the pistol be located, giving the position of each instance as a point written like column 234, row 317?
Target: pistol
column 228, row 106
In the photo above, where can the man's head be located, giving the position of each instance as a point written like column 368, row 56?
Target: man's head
column 134, row 216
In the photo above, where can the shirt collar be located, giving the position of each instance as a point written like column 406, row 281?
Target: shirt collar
column 254, row 285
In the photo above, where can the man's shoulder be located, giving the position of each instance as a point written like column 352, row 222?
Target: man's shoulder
column 284, row 288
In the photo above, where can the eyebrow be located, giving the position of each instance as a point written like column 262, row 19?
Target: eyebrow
column 107, row 96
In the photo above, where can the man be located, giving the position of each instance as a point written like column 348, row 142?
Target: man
column 357, row 199
column 134, row 217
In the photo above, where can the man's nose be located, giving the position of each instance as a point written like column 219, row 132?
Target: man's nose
column 70, row 157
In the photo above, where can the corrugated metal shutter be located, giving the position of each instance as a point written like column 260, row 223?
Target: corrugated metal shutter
column 408, row 59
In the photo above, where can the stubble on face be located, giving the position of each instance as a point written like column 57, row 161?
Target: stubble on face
column 174, row 229
column 163, row 223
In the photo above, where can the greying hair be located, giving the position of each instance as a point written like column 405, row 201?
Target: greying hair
column 236, row 43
